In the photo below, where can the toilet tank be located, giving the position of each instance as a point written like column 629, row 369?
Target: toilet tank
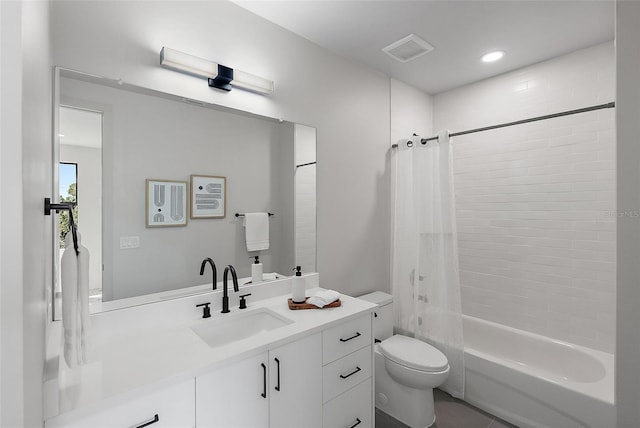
column 383, row 316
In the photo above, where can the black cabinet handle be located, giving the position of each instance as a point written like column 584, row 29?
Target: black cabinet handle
column 352, row 373
column 278, row 363
column 152, row 421
column 358, row 422
column 264, row 380
column 352, row 337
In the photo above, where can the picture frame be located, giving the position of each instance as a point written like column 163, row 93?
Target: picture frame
column 208, row 196
column 166, row 203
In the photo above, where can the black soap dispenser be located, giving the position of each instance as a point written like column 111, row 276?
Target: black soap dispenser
column 256, row 271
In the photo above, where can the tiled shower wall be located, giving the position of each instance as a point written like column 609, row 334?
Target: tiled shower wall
column 536, row 203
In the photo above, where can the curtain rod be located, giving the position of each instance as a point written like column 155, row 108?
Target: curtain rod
column 518, row 122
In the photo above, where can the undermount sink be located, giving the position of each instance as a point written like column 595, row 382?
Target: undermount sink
column 236, row 327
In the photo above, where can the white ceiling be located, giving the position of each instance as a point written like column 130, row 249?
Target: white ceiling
column 460, row 31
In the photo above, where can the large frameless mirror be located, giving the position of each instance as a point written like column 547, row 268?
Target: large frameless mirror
column 113, row 138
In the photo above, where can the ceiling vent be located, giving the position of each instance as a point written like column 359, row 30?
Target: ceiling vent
column 408, row 48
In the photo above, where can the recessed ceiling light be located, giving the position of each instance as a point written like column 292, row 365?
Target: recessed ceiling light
column 492, row 56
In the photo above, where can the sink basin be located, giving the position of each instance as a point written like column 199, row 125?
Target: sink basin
column 232, row 328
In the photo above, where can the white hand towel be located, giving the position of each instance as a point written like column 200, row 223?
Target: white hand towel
column 257, row 231
column 75, row 301
column 323, row 298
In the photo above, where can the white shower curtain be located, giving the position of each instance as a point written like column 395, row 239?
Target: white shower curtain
column 426, row 281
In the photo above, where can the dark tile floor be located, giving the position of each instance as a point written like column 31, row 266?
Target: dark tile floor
column 450, row 413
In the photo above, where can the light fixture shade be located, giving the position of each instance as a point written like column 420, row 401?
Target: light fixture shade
column 251, row 82
column 181, row 61
column 218, row 75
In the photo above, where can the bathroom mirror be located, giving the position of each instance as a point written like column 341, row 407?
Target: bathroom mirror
column 111, row 137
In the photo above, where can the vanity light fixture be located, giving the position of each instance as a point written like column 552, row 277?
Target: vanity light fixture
column 218, row 75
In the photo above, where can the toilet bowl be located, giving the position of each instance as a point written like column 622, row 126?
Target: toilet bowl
column 406, row 369
column 414, row 363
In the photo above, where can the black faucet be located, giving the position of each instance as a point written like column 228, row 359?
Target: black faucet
column 213, row 268
column 225, row 295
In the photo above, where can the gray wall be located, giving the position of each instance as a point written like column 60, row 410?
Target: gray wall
column 147, row 137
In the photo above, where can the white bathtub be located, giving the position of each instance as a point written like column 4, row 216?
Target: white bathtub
column 534, row 381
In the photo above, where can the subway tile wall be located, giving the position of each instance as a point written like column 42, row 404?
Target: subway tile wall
column 536, row 203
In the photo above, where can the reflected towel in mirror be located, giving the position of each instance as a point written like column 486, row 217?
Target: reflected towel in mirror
column 257, row 231
column 75, row 301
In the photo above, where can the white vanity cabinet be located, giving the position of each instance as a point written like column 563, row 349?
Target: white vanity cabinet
column 280, row 388
column 316, row 372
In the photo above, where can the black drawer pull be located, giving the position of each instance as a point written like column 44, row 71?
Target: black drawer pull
column 264, row 381
column 352, row 373
column 152, row 421
column 358, row 422
column 352, row 337
column 277, row 388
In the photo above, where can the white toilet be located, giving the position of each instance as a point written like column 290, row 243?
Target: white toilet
column 406, row 369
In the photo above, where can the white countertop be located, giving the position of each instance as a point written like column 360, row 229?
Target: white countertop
column 127, row 365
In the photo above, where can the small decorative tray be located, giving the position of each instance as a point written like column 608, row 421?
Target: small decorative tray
column 296, row 306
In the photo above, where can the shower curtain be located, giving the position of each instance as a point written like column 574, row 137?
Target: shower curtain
column 426, row 282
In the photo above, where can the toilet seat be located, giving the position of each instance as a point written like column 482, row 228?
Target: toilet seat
column 413, row 353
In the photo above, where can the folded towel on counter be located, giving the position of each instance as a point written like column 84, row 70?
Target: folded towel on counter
column 269, row 276
column 257, row 231
column 323, row 298
column 75, row 301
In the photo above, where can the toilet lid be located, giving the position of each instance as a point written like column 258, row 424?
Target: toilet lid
column 413, row 353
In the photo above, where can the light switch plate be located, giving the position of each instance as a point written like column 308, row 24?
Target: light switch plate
column 129, row 242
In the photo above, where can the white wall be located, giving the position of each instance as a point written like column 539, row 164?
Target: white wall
column 37, row 183
column 347, row 102
column 628, row 234
column 11, row 307
column 411, row 111
column 536, row 202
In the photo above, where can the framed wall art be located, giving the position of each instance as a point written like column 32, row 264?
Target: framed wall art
column 208, row 196
column 166, row 203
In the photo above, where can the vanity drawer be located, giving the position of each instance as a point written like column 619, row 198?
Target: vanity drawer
column 346, row 373
column 174, row 407
column 351, row 409
column 346, row 338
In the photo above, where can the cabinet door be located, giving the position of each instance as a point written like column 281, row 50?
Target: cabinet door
column 169, row 407
column 235, row 396
column 296, row 384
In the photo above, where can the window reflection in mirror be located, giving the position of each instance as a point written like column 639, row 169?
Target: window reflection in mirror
column 68, row 180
